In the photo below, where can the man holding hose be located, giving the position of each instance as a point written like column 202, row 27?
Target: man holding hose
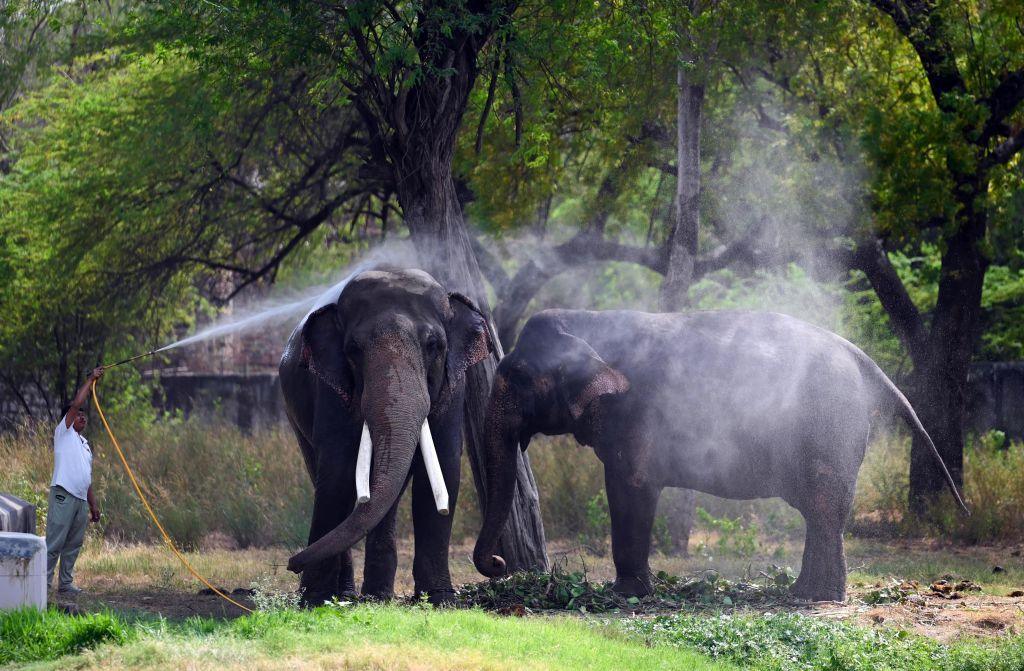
column 71, row 504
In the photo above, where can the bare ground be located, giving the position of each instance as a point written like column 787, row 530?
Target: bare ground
column 974, row 600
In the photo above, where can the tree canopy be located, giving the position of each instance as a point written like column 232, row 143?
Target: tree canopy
column 860, row 161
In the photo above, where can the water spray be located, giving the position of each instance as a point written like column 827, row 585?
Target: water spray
column 307, row 305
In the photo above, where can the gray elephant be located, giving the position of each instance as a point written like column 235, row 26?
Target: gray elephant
column 366, row 379
column 736, row 404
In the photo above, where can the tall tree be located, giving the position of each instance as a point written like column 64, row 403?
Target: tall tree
column 972, row 58
column 408, row 70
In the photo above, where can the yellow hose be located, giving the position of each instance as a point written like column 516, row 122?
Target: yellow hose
column 142, row 497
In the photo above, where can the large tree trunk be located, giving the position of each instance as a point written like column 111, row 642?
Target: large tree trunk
column 418, row 129
column 940, row 376
column 677, row 505
column 434, row 217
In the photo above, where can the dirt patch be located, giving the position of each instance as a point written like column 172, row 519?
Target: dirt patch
column 932, row 615
column 173, row 605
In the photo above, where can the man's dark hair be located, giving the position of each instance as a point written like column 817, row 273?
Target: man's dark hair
column 65, row 408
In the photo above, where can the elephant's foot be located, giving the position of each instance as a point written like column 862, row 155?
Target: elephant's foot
column 444, row 596
column 311, row 598
column 633, row 585
column 382, row 596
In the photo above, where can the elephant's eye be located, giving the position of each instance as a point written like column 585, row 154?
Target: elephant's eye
column 432, row 344
column 352, row 351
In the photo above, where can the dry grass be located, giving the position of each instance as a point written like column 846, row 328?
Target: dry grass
column 214, row 486
column 993, row 490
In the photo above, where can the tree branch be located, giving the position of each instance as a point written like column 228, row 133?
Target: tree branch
column 741, row 249
column 1002, row 103
column 584, row 248
column 919, row 22
column 490, row 266
column 1005, row 151
column 478, row 147
column 871, row 258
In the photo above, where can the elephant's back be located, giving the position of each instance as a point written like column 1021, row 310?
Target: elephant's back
column 744, row 391
column 753, row 362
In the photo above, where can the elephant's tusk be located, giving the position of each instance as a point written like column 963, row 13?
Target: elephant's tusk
column 433, row 469
column 363, row 466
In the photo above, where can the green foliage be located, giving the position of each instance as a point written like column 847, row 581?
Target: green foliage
column 82, row 200
column 28, row 635
column 266, row 598
column 598, row 524
column 793, row 642
column 661, row 535
column 734, row 537
column 564, row 590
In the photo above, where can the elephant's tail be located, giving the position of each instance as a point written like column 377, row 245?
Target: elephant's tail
column 906, row 411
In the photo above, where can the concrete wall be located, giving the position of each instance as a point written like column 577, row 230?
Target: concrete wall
column 250, row 401
column 996, row 398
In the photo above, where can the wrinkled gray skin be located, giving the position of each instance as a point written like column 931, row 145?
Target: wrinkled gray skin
column 392, row 350
column 736, row 404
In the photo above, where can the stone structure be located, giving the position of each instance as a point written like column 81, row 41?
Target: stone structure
column 249, row 396
column 249, row 401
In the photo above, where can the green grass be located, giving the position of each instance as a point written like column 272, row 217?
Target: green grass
column 30, row 635
column 383, row 637
column 793, row 642
column 394, row 637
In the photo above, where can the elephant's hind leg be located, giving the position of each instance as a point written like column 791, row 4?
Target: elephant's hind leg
column 825, row 505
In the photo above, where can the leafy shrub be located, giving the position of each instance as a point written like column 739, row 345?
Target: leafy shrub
column 734, row 537
column 793, row 642
column 598, row 524
column 559, row 589
column 269, row 599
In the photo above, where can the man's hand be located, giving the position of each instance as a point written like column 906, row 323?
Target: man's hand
column 94, row 513
column 97, row 373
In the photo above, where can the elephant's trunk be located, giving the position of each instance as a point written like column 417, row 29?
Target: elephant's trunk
column 395, row 404
column 502, row 431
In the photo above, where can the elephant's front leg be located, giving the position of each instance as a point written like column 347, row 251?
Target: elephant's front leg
column 334, row 576
column 334, row 440
column 632, row 511
column 382, row 557
column 433, row 531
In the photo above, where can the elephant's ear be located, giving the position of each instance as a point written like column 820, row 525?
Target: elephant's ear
column 322, row 350
column 584, row 376
column 469, row 341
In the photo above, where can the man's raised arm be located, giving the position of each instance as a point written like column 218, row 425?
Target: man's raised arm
column 81, row 396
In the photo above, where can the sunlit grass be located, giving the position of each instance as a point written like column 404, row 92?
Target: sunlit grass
column 382, row 637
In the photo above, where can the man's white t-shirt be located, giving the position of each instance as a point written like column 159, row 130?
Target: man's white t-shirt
column 72, row 461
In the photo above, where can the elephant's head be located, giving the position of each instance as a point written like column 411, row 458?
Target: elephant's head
column 394, row 348
column 548, row 384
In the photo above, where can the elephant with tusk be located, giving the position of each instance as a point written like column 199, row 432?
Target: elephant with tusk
column 373, row 383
